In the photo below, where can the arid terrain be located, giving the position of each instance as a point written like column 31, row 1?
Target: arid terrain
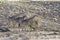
column 29, row 20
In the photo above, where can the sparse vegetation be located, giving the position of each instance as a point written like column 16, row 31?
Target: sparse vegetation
column 47, row 18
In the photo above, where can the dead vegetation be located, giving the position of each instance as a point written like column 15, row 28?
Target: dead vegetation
column 30, row 15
